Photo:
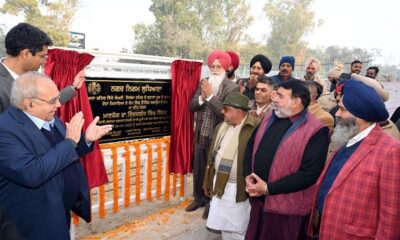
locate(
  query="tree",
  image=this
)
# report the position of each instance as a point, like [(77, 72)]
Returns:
[(174, 33), (291, 21), (190, 28), (53, 17), (251, 48), (223, 22)]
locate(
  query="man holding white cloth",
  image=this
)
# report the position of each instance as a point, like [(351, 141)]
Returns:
[(224, 180)]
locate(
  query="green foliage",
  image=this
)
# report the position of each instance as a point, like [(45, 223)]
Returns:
[(250, 49), (189, 29), (53, 17), (172, 32), (291, 21)]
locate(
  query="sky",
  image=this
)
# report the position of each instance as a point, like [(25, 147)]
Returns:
[(364, 24)]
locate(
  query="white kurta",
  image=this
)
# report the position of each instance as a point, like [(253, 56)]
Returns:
[(227, 215)]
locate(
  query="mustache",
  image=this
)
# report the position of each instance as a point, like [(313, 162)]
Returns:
[(345, 129)]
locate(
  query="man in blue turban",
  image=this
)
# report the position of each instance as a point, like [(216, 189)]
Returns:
[(286, 67), (359, 187)]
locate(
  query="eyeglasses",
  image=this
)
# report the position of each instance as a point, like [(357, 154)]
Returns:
[(215, 67), (52, 101)]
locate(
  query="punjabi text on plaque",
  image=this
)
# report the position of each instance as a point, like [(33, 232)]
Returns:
[(137, 108)]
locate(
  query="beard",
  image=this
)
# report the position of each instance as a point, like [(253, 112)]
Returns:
[(257, 74), (282, 112), (216, 81), (309, 76), (345, 129), (230, 73)]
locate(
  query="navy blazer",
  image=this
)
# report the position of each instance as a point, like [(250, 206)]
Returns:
[(6, 81), (31, 180)]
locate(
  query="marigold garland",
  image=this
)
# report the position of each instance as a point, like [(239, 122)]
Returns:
[(102, 203), (101, 193), (137, 177), (149, 171), (167, 176), (149, 178), (159, 170), (174, 184), (75, 219), (115, 176), (182, 187), (127, 192)]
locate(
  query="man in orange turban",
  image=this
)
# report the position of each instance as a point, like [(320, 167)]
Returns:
[(207, 104)]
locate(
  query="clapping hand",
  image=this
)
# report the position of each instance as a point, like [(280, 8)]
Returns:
[(74, 127), (253, 80), (94, 132)]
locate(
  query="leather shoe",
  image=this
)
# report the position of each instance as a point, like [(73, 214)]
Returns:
[(193, 206), (206, 211)]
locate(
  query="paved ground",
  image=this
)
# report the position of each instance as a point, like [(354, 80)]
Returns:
[(149, 220), (199, 234), (169, 223)]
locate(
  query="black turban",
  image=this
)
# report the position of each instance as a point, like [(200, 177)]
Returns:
[(264, 61)]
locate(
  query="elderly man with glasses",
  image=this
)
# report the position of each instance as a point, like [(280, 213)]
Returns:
[(40, 173)]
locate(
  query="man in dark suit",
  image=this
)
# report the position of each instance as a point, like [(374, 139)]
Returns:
[(41, 177), (207, 104), (8, 231), (26, 48)]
